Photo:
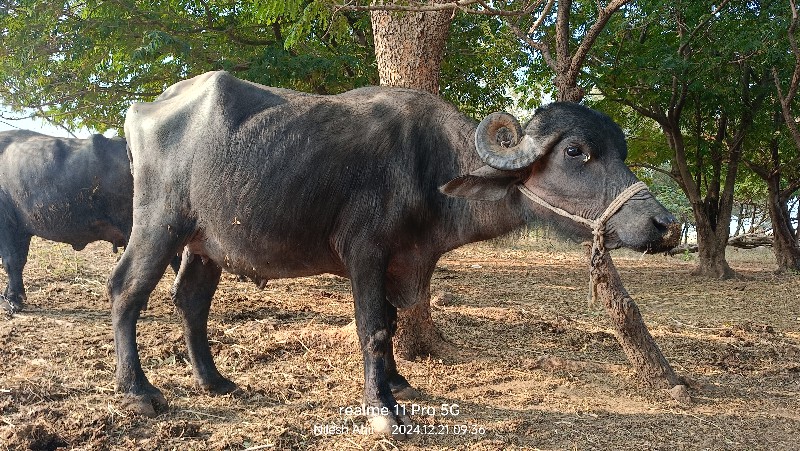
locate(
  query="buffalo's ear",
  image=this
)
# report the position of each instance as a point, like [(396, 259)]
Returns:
[(484, 183)]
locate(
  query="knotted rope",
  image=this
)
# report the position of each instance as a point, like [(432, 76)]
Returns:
[(597, 225)]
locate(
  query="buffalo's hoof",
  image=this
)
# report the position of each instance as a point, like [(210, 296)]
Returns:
[(407, 393), (148, 403), (220, 386), (401, 389), (398, 427), (10, 306)]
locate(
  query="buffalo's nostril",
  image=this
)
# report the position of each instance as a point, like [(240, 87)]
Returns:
[(670, 230), (664, 222)]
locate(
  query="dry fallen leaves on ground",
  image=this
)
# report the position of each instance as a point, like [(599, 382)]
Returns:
[(508, 306)]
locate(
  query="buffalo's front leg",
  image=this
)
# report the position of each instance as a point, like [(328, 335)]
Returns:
[(14, 252), (374, 336), (192, 293), (131, 282)]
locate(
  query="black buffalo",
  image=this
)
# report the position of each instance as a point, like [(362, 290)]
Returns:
[(271, 183), (74, 191)]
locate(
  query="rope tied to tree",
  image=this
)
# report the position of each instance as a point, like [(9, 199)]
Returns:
[(598, 225)]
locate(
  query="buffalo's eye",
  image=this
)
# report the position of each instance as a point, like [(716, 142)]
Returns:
[(573, 151)]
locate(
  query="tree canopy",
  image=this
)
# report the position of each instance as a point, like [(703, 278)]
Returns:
[(82, 63)]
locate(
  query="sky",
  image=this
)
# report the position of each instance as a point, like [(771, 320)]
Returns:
[(36, 125)]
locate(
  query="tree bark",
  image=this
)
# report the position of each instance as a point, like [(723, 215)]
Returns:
[(783, 240), (789, 247), (740, 220), (712, 215), (409, 48), (711, 254), (784, 245), (642, 351)]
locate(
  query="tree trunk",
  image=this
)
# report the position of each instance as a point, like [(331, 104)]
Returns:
[(711, 260), (409, 48), (784, 244), (784, 241), (740, 220), (566, 79), (642, 351)]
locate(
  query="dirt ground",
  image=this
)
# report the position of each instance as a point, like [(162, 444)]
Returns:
[(507, 305)]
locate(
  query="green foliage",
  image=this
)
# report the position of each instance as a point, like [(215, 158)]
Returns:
[(82, 63), (655, 49), (666, 191), (480, 66)]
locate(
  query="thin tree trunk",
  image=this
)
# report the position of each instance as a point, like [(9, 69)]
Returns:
[(642, 351), (739, 220), (409, 48), (784, 240), (752, 228)]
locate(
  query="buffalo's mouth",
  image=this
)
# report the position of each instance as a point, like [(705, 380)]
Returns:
[(671, 238), (662, 237)]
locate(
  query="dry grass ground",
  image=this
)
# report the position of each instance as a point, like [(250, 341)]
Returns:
[(737, 341)]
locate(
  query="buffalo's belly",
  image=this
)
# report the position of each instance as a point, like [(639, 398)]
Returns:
[(266, 259), (78, 239), (74, 226)]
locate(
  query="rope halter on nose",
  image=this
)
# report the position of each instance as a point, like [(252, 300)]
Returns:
[(598, 225)]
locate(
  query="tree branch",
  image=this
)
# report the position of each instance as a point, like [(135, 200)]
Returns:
[(657, 116), (541, 17), (562, 36), (758, 169), (654, 168), (790, 189), (603, 17), (685, 45), (786, 100), (795, 81), (540, 46)]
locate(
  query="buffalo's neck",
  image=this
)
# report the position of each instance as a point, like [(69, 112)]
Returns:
[(473, 221), (468, 221)]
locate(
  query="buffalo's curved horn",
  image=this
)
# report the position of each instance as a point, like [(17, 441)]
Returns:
[(502, 144)]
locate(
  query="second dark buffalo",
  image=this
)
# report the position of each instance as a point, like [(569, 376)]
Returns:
[(69, 190)]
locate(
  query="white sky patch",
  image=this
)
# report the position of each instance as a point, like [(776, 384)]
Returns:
[(38, 125)]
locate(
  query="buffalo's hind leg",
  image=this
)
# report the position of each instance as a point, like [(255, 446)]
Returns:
[(14, 252), (133, 279), (192, 292)]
